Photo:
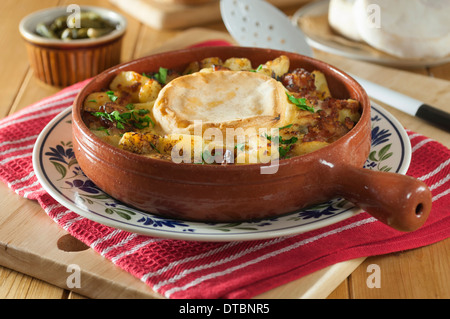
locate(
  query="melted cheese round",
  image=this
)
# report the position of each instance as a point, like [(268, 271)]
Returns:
[(221, 99)]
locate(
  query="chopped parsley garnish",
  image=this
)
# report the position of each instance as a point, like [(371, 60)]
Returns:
[(257, 69), (154, 147), (283, 150), (104, 129), (239, 146), (160, 76), (134, 117), (111, 96), (300, 103), (114, 116), (292, 140), (286, 126)]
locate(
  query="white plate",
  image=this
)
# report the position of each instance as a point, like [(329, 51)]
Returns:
[(58, 172), (320, 8)]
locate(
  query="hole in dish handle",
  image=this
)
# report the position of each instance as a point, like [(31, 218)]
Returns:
[(401, 202)]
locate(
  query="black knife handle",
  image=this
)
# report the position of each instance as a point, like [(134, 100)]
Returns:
[(435, 116)]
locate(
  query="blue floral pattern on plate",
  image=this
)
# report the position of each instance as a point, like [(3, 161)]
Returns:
[(58, 172)]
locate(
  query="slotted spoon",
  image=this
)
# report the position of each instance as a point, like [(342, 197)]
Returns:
[(256, 23)]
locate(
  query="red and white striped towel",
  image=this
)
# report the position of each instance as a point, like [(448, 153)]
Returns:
[(186, 269)]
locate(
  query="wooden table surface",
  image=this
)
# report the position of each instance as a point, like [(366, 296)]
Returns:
[(417, 273)]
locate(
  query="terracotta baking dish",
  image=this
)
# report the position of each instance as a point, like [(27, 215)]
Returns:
[(222, 193)]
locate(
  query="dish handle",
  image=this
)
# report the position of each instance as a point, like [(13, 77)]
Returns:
[(401, 202)]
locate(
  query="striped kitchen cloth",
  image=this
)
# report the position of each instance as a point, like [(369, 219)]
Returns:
[(238, 269)]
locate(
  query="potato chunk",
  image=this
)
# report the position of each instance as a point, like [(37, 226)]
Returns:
[(277, 67), (141, 88), (238, 64), (321, 85), (95, 100), (149, 91), (139, 143)]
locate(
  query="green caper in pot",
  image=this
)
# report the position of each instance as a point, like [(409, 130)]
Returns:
[(96, 32), (71, 27), (86, 20), (45, 31), (59, 24), (74, 33)]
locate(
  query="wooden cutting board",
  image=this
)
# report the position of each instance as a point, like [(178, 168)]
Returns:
[(171, 14), (31, 243)]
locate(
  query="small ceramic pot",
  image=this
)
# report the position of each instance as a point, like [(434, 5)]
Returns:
[(62, 63), (221, 193)]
